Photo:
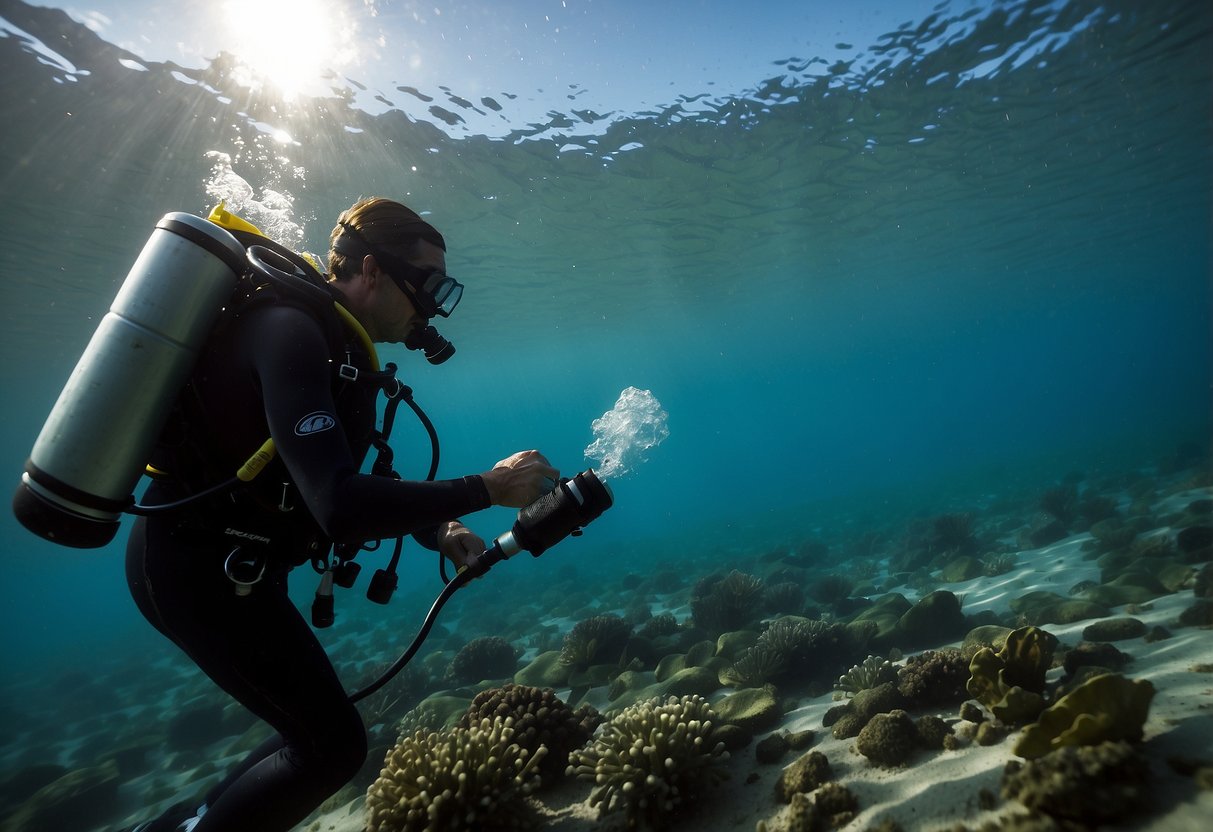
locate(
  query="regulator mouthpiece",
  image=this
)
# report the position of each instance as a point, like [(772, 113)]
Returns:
[(437, 349)]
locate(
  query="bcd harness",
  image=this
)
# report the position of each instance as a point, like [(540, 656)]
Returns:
[(278, 275)]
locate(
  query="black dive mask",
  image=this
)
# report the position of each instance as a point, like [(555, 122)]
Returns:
[(432, 292)]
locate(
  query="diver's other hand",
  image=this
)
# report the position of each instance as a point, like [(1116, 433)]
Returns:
[(520, 479), (456, 541)]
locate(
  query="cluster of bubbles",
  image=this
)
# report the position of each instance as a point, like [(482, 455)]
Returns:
[(625, 433), (272, 210)]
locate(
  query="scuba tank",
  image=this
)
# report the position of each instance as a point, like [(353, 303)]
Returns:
[(93, 448)]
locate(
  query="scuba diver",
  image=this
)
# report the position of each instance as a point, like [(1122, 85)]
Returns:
[(212, 574)]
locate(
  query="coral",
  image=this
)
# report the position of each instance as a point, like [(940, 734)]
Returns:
[(540, 719), (595, 640), (830, 589), (809, 772), (953, 533), (871, 672), (1094, 785), (1011, 682), (1060, 503), (663, 624), (810, 648), (1104, 708), (460, 778), (729, 603), (785, 597), (489, 657), (936, 677), (754, 667), (888, 739), (652, 758)]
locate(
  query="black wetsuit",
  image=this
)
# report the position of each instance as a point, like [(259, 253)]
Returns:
[(272, 373)]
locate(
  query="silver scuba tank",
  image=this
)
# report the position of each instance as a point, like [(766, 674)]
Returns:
[(95, 444)]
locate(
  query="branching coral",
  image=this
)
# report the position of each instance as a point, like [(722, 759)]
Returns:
[(870, 673), (490, 657), (540, 718), (651, 759), (596, 640), (461, 778)]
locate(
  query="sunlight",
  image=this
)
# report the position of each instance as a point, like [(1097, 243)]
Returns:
[(288, 44)]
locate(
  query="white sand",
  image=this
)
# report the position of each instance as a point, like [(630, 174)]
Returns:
[(937, 790)]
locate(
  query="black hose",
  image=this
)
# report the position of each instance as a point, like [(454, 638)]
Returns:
[(458, 581)]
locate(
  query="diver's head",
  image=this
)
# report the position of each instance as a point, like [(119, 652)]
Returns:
[(391, 264)]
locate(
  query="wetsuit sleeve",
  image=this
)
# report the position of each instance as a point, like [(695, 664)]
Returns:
[(291, 363)]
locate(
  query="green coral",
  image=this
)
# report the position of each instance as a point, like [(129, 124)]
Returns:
[(872, 672), (460, 778), (1011, 682), (651, 758), (1102, 709)]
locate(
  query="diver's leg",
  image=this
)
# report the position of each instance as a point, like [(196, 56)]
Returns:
[(261, 651)]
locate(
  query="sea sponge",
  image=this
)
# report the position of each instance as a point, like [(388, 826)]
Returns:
[(596, 640), (936, 677), (870, 673), (1090, 785), (1011, 682), (1103, 708), (460, 778), (489, 657), (888, 739), (652, 758), (540, 719)]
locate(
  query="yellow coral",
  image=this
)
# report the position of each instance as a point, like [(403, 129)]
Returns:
[(1103, 708), (1011, 681)]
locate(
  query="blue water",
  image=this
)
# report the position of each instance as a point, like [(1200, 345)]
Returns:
[(945, 274)]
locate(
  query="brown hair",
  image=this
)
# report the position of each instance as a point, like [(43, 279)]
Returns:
[(384, 224)]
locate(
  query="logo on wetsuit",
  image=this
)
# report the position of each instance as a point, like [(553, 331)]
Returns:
[(317, 422)]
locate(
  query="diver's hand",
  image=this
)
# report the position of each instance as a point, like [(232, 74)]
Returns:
[(456, 541), (520, 479)]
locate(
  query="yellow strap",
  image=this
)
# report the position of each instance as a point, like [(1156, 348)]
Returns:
[(360, 332)]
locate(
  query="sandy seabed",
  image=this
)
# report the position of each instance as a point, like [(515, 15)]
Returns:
[(941, 790)]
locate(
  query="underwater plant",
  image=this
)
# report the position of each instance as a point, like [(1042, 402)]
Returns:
[(652, 759), (540, 718), (785, 597), (597, 640), (459, 778), (870, 673)]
